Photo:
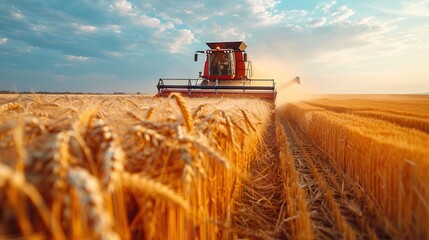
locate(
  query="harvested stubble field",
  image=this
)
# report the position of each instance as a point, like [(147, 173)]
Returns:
[(133, 167)]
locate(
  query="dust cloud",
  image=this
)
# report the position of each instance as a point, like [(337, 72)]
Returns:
[(293, 93), (268, 68)]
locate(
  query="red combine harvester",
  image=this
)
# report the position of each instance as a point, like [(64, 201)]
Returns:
[(226, 73)]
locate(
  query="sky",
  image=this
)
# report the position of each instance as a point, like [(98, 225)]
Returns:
[(126, 46)]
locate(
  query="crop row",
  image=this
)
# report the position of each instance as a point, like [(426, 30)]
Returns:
[(389, 162)]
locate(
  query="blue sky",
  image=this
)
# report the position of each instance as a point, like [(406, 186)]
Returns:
[(122, 45)]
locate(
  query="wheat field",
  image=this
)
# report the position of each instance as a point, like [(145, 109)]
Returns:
[(135, 167), (381, 146)]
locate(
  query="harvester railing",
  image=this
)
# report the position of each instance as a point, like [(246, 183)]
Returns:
[(204, 84)]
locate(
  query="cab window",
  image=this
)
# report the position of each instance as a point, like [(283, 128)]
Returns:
[(221, 63)]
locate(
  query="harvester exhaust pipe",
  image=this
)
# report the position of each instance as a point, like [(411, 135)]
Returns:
[(290, 82)]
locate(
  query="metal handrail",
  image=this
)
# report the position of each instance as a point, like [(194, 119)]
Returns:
[(191, 84), (222, 80)]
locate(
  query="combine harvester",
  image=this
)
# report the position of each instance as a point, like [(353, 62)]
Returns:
[(227, 73)]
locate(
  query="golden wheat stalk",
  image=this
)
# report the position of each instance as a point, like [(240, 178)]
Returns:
[(187, 116), (91, 198), (201, 144), (18, 184), (144, 185)]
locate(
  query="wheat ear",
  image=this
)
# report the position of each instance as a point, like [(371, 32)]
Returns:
[(187, 116), (149, 113), (91, 198)]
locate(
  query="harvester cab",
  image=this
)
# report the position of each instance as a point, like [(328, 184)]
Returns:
[(227, 73), (226, 61)]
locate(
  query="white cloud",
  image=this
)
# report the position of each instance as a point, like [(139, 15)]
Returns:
[(38, 27), (270, 19), (76, 58), (352, 41), (26, 49), (228, 33), (342, 14), (314, 23), (147, 6), (173, 19), (114, 28), (366, 21), (191, 14), (114, 54), (16, 13), (399, 19), (295, 27), (420, 35), (149, 21), (298, 13), (188, 11), (154, 23), (262, 5), (326, 7), (85, 28), (62, 65), (3, 41), (123, 7), (219, 13), (416, 8), (184, 37), (265, 10)]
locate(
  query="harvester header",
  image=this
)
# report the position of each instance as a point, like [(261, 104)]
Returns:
[(227, 73)]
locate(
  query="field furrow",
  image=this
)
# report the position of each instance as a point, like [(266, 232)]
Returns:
[(323, 219), (261, 208), (355, 206)]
